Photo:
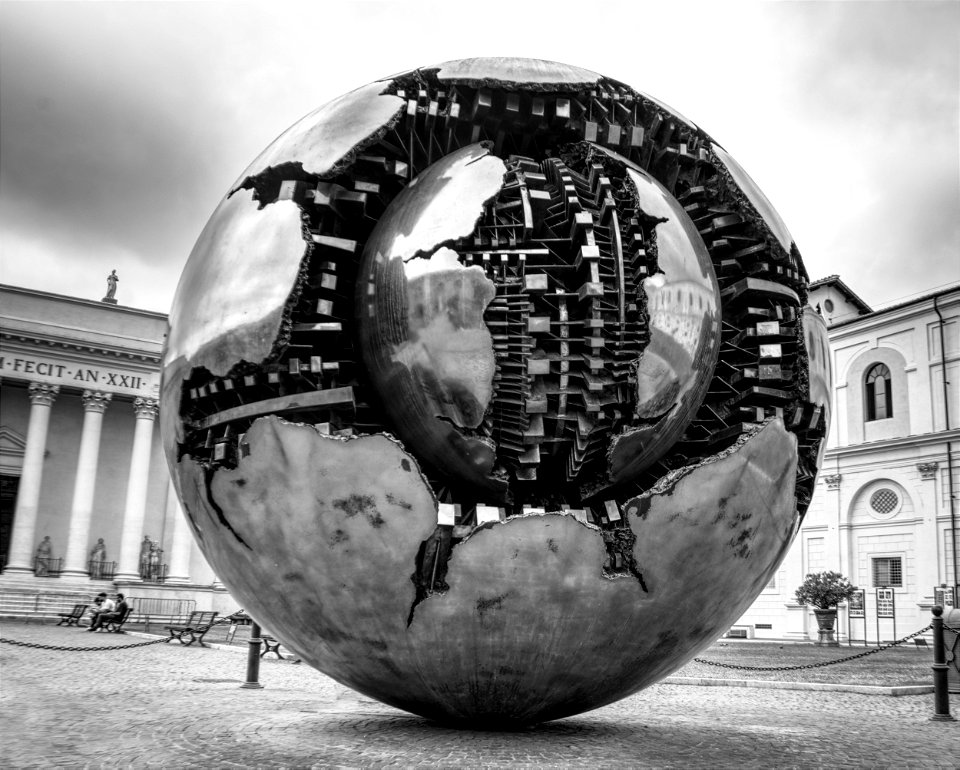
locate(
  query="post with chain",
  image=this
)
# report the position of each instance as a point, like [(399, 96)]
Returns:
[(253, 659), (941, 698)]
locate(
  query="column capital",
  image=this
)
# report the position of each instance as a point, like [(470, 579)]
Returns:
[(928, 470), (95, 401), (146, 408), (43, 394), (832, 481)]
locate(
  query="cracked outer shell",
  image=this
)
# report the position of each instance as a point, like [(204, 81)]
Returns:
[(317, 536), (231, 296), (534, 617)]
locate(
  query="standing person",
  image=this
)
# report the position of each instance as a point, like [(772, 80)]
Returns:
[(115, 614)]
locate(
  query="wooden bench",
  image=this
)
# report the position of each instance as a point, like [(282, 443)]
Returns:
[(194, 629), (115, 625), (73, 617), (921, 643)]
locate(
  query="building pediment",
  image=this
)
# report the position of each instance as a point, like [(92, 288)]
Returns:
[(12, 448)]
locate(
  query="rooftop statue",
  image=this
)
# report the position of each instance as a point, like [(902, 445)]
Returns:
[(112, 281)]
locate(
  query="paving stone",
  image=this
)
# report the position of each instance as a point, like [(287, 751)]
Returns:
[(169, 705)]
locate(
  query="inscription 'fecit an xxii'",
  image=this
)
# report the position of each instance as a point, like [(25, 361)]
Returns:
[(66, 373)]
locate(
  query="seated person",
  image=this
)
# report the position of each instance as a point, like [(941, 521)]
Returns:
[(97, 605), (114, 614), (106, 604)]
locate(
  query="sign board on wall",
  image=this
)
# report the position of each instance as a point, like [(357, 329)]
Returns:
[(68, 373)]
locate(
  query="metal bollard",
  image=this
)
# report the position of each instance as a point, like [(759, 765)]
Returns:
[(253, 659), (941, 698)]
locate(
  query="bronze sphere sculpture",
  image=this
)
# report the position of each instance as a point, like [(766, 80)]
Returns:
[(490, 390)]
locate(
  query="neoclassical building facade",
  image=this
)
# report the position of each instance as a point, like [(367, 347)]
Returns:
[(81, 462), (885, 512), (86, 498)]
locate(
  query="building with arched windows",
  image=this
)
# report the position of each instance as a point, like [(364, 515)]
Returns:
[(885, 511), (81, 467)]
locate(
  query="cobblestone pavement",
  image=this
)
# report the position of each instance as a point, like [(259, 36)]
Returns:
[(168, 705)]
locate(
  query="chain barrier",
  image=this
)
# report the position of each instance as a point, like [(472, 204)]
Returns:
[(816, 665), (161, 640), (230, 619), (37, 646)]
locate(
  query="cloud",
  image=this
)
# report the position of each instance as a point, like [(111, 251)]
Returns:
[(123, 124)]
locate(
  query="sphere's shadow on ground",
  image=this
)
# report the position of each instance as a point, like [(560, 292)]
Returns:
[(376, 737)]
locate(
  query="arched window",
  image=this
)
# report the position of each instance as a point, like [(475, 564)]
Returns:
[(878, 395)]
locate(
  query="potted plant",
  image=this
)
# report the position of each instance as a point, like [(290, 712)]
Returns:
[(823, 591)]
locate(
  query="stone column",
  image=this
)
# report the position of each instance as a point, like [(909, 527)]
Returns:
[(928, 542), (136, 506), (22, 543), (94, 405), (181, 542)]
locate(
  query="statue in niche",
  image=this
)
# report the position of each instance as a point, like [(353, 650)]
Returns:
[(145, 548), (41, 567), (155, 554), (98, 557), (112, 281)]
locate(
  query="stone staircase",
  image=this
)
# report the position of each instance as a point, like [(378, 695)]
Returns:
[(30, 598)]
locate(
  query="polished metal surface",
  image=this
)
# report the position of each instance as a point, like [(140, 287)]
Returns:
[(820, 367), (482, 383), (530, 627), (321, 139), (421, 325), (516, 70), (760, 201), (683, 304), (441, 204), (238, 278)]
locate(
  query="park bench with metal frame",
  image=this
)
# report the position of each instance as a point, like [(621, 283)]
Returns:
[(73, 617), (194, 629), (270, 644), (115, 625)]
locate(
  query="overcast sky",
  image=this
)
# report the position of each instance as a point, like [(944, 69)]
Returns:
[(123, 124)]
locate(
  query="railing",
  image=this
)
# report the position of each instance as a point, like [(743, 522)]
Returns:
[(45, 603), (149, 610), (153, 573), (46, 566), (101, 570)]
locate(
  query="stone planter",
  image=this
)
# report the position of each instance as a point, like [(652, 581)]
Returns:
[(826, 620)]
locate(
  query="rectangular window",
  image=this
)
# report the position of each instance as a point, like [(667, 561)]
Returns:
[(948, 555), (887, 572), (816, 555)]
